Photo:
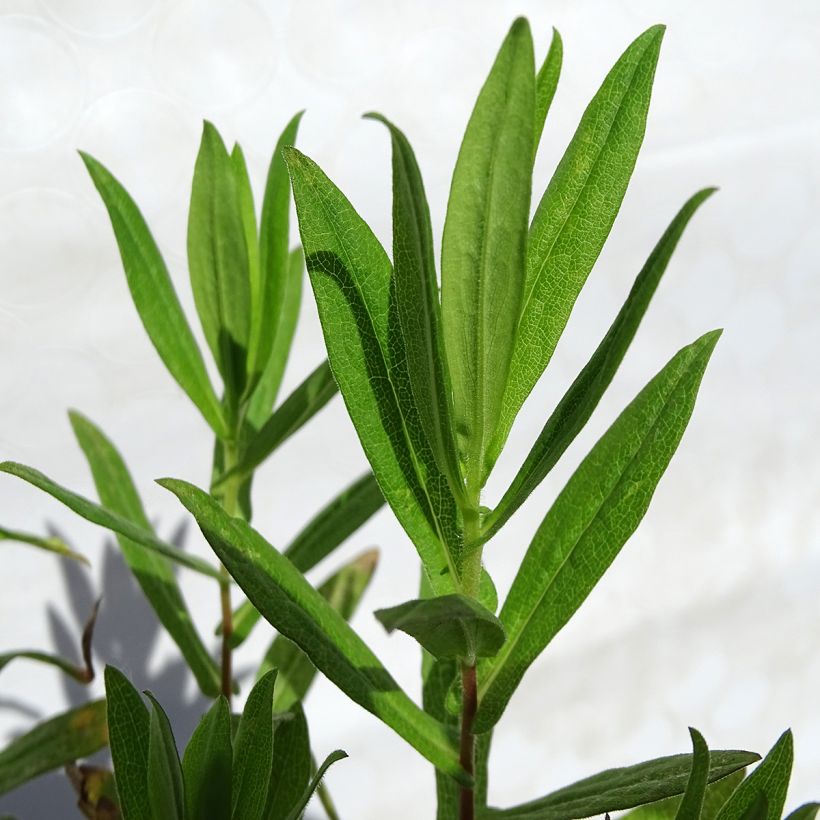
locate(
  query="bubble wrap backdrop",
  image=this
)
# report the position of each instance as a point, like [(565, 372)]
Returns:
[(711, 615)]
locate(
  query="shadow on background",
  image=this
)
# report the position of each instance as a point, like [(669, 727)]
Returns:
[(126, 635)]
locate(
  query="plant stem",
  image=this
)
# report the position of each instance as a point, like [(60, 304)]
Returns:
[(229, 498), (471, 579), (466, 798), (227, 633)]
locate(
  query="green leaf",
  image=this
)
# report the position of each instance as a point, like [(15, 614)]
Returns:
[(54, 743), (299, 408), (449, 626), (300, 807), (717, 793), (154, 296), (83, 673), (616, 789), (575, 216), (50, 544), (253, 752), (484, 245), (692, 803), (77, 673), (271, 310), (545, 84), (153, 572), (292, 764), (418, 307), (578, 403), (759, 810), (104, 518), (808, 811), (355, 292), (247, 213), (592, 518), (327, 530), (207, 764), (129, 739), (343, 591), (218, 261), (770, 779), (286, 599), (267, 389), (165, 789)]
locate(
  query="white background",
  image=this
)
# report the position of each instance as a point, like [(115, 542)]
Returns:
[(709, 617)]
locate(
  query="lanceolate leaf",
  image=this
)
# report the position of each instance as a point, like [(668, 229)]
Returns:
[(299, 808), (153, 572), (218, 261), (545, 84), (207, 764), (717, 793), (343, 591), (77, 673), (154, 296), (247, 213), (165, 791), (575, 216), (253, 752), (692, 803), (484, 244), (448, 626), (418, 307), (352, 281), (305, 401), (578, 403), (286, 599), (808, 811), (292, 764), (324, 532), (49, 544), (759, 810), (617, 789), (129, 733), (264, 396), (56, 742), (592, 518), (104, 518), (81, 673), (274, 241), (769, 780)]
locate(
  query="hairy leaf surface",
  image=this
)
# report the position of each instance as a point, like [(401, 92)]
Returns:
[(56, 742), (218, 261), (578, 403), (129, 739), (353, 283), (769, 780), (154, 296), (574, 218), (447, 626), (286, 599), (594, 515), (617, 789), (484, 244)]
